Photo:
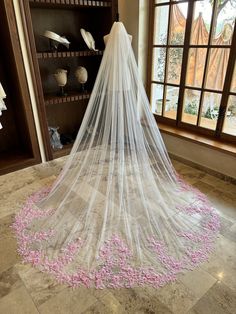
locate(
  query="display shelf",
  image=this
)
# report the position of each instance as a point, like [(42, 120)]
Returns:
[(62, 152), (18, 138), (52, 99), (72, 3), (14, 160), (64, 17), (68, 54)]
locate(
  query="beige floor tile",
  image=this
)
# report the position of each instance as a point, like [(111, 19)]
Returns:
[(40, 286), (139, 300), (198, 280), (218, 300), (112, 304), (203, 187), (17, 302), (224, 202), (47, 169), (225, 226), (68, 301), (8, 246), (190, 174), (221, 264), (230, 233), (16, 199), (98, 308), (180, 297), (16, 180), (176, 297), (9, 280), (219, 184)]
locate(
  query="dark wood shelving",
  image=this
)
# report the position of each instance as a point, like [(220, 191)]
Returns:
[(68, 54), (72, 3), (64, 17), (18, 139), (62, 152), (51, 99), (13, 160)]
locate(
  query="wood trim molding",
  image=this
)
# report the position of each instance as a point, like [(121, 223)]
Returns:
[(30, 46), (227, 85), (22, 79), (187, 38)]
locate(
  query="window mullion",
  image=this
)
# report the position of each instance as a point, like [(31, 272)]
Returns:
[(166, 61), (187, 37), (207, 60), (227, 85), (150, 44)]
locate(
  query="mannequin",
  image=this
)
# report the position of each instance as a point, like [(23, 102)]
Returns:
[(111, 87), (106, 37), (2, 104)]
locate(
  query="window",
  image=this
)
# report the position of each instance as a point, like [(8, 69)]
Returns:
[(192, 71)]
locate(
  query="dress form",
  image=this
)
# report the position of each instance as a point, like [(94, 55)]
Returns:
[(106, 37), (111, 87)]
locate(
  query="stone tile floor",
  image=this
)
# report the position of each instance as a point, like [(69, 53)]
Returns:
[(210, 289)]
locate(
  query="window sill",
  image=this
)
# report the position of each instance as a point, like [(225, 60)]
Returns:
[(198, 139)]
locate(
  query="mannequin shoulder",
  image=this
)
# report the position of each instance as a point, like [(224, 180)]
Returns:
[(106, 37)]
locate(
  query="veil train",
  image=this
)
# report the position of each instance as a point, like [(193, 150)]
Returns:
[(118, 215)]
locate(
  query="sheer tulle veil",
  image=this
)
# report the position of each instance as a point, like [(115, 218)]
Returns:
[(118, 215)]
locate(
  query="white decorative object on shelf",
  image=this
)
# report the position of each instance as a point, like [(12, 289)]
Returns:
[(82, 76), (2, 92), (60, 39), (61, 78), (55, 138), (2, 103), (88, 38)]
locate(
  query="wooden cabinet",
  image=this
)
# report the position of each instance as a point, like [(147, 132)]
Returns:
[(18, 139), (65, 18)]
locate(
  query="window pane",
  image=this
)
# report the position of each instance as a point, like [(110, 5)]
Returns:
[(224, 23), (201, 22), (217, 67), (159, 59), (174, 65), (230, 117), (196, 64), (191, 106), (172, 95), (157, 98), (233, 84), (210, 110), (178, 23), (161, 24)]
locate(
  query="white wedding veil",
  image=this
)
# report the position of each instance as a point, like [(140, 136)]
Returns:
[(118, 215)]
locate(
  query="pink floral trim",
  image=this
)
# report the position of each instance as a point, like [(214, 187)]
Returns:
[(116, 269)]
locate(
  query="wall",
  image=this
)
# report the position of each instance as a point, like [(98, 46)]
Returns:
[(201, 155), (134, 15), (129, 15)]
